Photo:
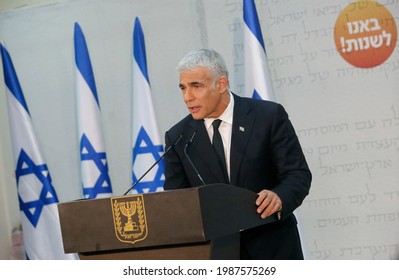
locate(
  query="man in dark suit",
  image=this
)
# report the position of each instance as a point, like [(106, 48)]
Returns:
[(261, 153)]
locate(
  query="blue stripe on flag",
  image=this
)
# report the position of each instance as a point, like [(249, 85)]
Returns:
[(11, 79), (256, 95), (82, 60), (252, 21), (139, 48)]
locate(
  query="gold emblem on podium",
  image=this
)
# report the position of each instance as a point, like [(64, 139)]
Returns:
[(129, 218)]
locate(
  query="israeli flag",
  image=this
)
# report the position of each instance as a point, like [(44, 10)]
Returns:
[(147, 144), (258, 83), (36, 194), (96, 182)]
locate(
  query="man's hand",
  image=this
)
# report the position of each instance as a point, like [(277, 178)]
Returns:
[(268, 203)]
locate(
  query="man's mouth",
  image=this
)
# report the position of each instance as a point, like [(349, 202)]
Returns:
[(194, 109)]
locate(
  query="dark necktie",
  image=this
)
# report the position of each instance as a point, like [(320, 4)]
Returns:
[(218, 146)]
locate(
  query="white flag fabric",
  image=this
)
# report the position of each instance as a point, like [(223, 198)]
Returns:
[(96, 182), (36, 194), (147, 146), (258, 83)]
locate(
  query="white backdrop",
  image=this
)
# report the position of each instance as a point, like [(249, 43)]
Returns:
[(347, 118)]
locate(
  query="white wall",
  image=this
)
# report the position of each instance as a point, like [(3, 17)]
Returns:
[(346, 118)]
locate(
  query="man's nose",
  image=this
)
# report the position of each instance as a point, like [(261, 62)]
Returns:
[(187, 95)]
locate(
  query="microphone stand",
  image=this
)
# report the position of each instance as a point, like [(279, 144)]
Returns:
[(152, 166), (189, 142)]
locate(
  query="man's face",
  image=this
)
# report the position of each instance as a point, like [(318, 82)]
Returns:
[(202, 94)]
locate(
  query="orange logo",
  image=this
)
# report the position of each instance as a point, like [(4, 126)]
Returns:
[(365, 34)]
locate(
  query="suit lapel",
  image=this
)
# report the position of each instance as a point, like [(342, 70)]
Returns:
[(202, 154), (242, 130)]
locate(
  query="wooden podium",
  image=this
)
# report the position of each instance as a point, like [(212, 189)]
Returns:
[(193, 223)]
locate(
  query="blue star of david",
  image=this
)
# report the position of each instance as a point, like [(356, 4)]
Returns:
[(255, 95), (33, 209), (156, 151), (103, 182)]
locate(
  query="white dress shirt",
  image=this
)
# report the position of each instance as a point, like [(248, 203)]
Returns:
[(225, 129)]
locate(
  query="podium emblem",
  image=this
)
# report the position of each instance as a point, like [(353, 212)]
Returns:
[(129, 218)]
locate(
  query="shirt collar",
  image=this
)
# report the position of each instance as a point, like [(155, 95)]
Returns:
[(226, 116)]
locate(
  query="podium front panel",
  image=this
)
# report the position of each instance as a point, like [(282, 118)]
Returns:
[(163, 218)]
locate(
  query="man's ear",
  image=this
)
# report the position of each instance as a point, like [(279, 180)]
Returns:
[(222, 84)]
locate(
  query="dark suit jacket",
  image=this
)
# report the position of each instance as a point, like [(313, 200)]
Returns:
[(265, 154)]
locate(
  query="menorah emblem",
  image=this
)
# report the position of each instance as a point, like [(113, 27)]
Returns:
[(129, 218), (128, 209)]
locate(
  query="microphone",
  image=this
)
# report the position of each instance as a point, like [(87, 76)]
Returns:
[(155, 163), (188, 143)]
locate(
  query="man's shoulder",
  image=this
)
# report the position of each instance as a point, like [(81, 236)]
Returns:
[(257, 104)]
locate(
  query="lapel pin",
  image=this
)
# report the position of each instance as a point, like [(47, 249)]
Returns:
[(242, 129)]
